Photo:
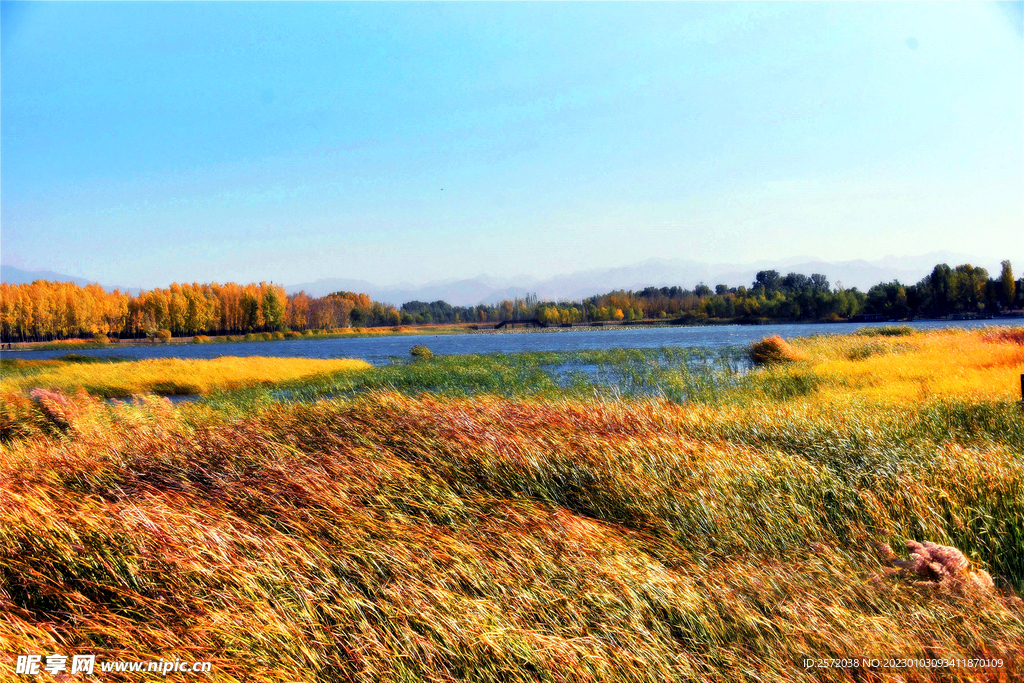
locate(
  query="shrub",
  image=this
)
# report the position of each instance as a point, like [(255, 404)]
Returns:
[(100, 338), (200, 339), (293, 335), (249, 337), (420, 351), (163, 335), (277, 335), (774, 349)]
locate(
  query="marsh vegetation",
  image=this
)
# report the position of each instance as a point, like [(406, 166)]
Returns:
[(632, 515)]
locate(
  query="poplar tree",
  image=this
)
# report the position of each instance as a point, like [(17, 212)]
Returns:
[(1009, 285)]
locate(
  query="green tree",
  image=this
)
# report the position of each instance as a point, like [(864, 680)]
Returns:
[(273, 308), (942, 286), (767, 280), (1009, 284)]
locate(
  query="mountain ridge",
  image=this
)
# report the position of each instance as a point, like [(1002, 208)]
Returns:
[(581, 284), (653, 272)]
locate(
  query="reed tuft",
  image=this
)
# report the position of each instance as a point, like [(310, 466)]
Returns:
[(773, 350)]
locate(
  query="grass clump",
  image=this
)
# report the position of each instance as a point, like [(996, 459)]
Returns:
[(421, 352), (773, 350)]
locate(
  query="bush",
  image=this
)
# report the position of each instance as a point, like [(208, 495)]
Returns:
[(100, 338), (420, 351), (774, 349), (163, 335), (249, 337), (277, 335), (200, 339), (293, 335)]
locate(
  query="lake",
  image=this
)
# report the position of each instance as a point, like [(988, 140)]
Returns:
[(380, 350)]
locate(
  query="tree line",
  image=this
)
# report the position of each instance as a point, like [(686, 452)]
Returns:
[(43, 310), (964, 290)]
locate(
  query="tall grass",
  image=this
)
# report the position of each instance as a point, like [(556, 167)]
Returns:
[(164, 376), (606, 516), (394, 538)]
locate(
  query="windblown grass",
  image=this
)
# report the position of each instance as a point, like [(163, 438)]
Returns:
[(165, 376), (713, 524), (949, 364), (394, 538)]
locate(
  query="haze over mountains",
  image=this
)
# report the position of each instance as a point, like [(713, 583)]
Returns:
[(585, 283), (17, 276), (653, 272)]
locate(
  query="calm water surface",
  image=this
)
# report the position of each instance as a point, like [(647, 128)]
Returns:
[(380, 350)]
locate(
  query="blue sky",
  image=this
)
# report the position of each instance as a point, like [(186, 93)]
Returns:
[(151, 142)]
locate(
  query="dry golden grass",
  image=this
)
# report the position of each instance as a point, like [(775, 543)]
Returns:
[(773, 350), (975, 365), (397, 538), (481, 539), (167, 376)]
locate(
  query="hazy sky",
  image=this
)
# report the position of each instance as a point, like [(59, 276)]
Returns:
[(145, 143)]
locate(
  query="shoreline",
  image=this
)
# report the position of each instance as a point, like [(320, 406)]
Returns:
[(453, 329)]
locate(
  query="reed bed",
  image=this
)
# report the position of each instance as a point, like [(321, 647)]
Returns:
[(980, 365), (411, 535), (165, 376)]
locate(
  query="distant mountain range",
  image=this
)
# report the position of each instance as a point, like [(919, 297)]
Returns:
[(654, 272), (582, 284), (17, 276)]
